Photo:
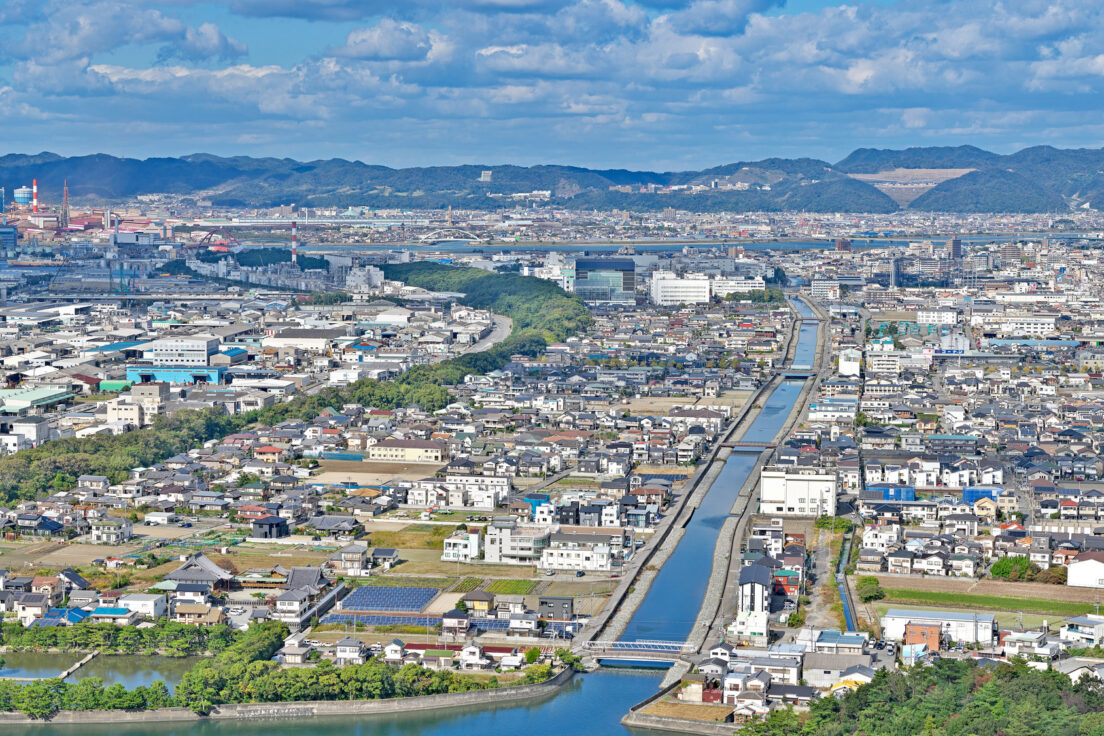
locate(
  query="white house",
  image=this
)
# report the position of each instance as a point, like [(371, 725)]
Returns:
[(1086, 570)]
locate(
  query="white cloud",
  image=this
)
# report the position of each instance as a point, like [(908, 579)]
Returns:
[(389, 40)]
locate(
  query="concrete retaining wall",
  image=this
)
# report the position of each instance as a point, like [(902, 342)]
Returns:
[(306, 709), (635, 719)]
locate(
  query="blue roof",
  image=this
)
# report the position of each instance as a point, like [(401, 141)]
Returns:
[(108, 611), (234, 351), (72, 615)]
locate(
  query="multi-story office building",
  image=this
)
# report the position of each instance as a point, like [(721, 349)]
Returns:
[(605, 280)]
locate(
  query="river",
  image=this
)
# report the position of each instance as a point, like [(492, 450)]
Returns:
[(591, 705)]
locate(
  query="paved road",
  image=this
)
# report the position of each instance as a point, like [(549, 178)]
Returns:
[(501, 330)]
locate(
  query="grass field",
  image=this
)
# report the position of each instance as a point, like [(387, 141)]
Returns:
[(688, 711), (511, 587), (598, 587), (415, 536), (973, 601)]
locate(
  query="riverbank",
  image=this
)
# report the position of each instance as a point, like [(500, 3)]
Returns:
[(636, 718), (306, 708), (649, 560)]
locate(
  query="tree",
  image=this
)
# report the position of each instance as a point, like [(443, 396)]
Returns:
[(869, 589), (532, 655), (1013, 568)]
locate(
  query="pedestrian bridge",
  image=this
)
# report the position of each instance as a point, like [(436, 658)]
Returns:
[(749, 446), (638, 650)]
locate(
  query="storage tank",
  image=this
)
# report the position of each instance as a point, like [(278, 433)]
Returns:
[(23, 195)]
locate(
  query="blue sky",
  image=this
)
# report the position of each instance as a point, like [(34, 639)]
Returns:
[(649, 84)]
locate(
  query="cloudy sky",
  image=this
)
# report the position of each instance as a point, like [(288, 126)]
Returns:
[(656, 84)]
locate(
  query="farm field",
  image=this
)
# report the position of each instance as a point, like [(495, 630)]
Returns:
[(511, 587)]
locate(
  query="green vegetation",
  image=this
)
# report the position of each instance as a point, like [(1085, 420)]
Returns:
[(991, 190), (467, 585), (833, 523), (987, 602), (172, 639), (511, 587), (30, 473), (759, 296), (1014, 568), (868, 589), (326, 298), (245, 674), (951, 698)]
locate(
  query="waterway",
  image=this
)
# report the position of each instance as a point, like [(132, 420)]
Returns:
[(668, 612), (588, 706), (35, 665), (463, 246), (591, 704), (805, 353), (132, 670)]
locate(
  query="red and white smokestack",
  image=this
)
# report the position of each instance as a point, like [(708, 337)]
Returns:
[(34, 194), (294, 241)]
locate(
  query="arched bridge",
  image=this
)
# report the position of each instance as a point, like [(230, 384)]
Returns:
[(448, 233)]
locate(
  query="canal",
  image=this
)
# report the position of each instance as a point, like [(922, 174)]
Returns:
[(671, 606), (590, 704)]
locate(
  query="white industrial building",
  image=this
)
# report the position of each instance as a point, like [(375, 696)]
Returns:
[(964, 628), (668, 288), (850, 362), (191, 350), (797, 491)]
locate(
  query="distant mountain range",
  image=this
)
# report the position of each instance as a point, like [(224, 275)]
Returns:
[(959, 179)]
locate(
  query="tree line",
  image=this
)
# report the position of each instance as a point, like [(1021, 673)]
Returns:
[(244, 672), (164, 637), (951, 698)]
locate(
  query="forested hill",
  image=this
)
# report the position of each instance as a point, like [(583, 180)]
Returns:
[(1039, 179)]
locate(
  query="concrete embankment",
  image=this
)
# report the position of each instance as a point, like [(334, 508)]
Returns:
[(636, 718), (306, 709), (634, 586)]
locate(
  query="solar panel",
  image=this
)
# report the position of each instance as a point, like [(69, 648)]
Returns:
[(371, 619), (411, 600)]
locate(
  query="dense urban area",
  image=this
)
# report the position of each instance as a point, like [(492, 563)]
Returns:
[(829, 473)]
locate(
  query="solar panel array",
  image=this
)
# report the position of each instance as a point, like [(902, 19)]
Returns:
[(409, 600), (370, 619), (554, 629)]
